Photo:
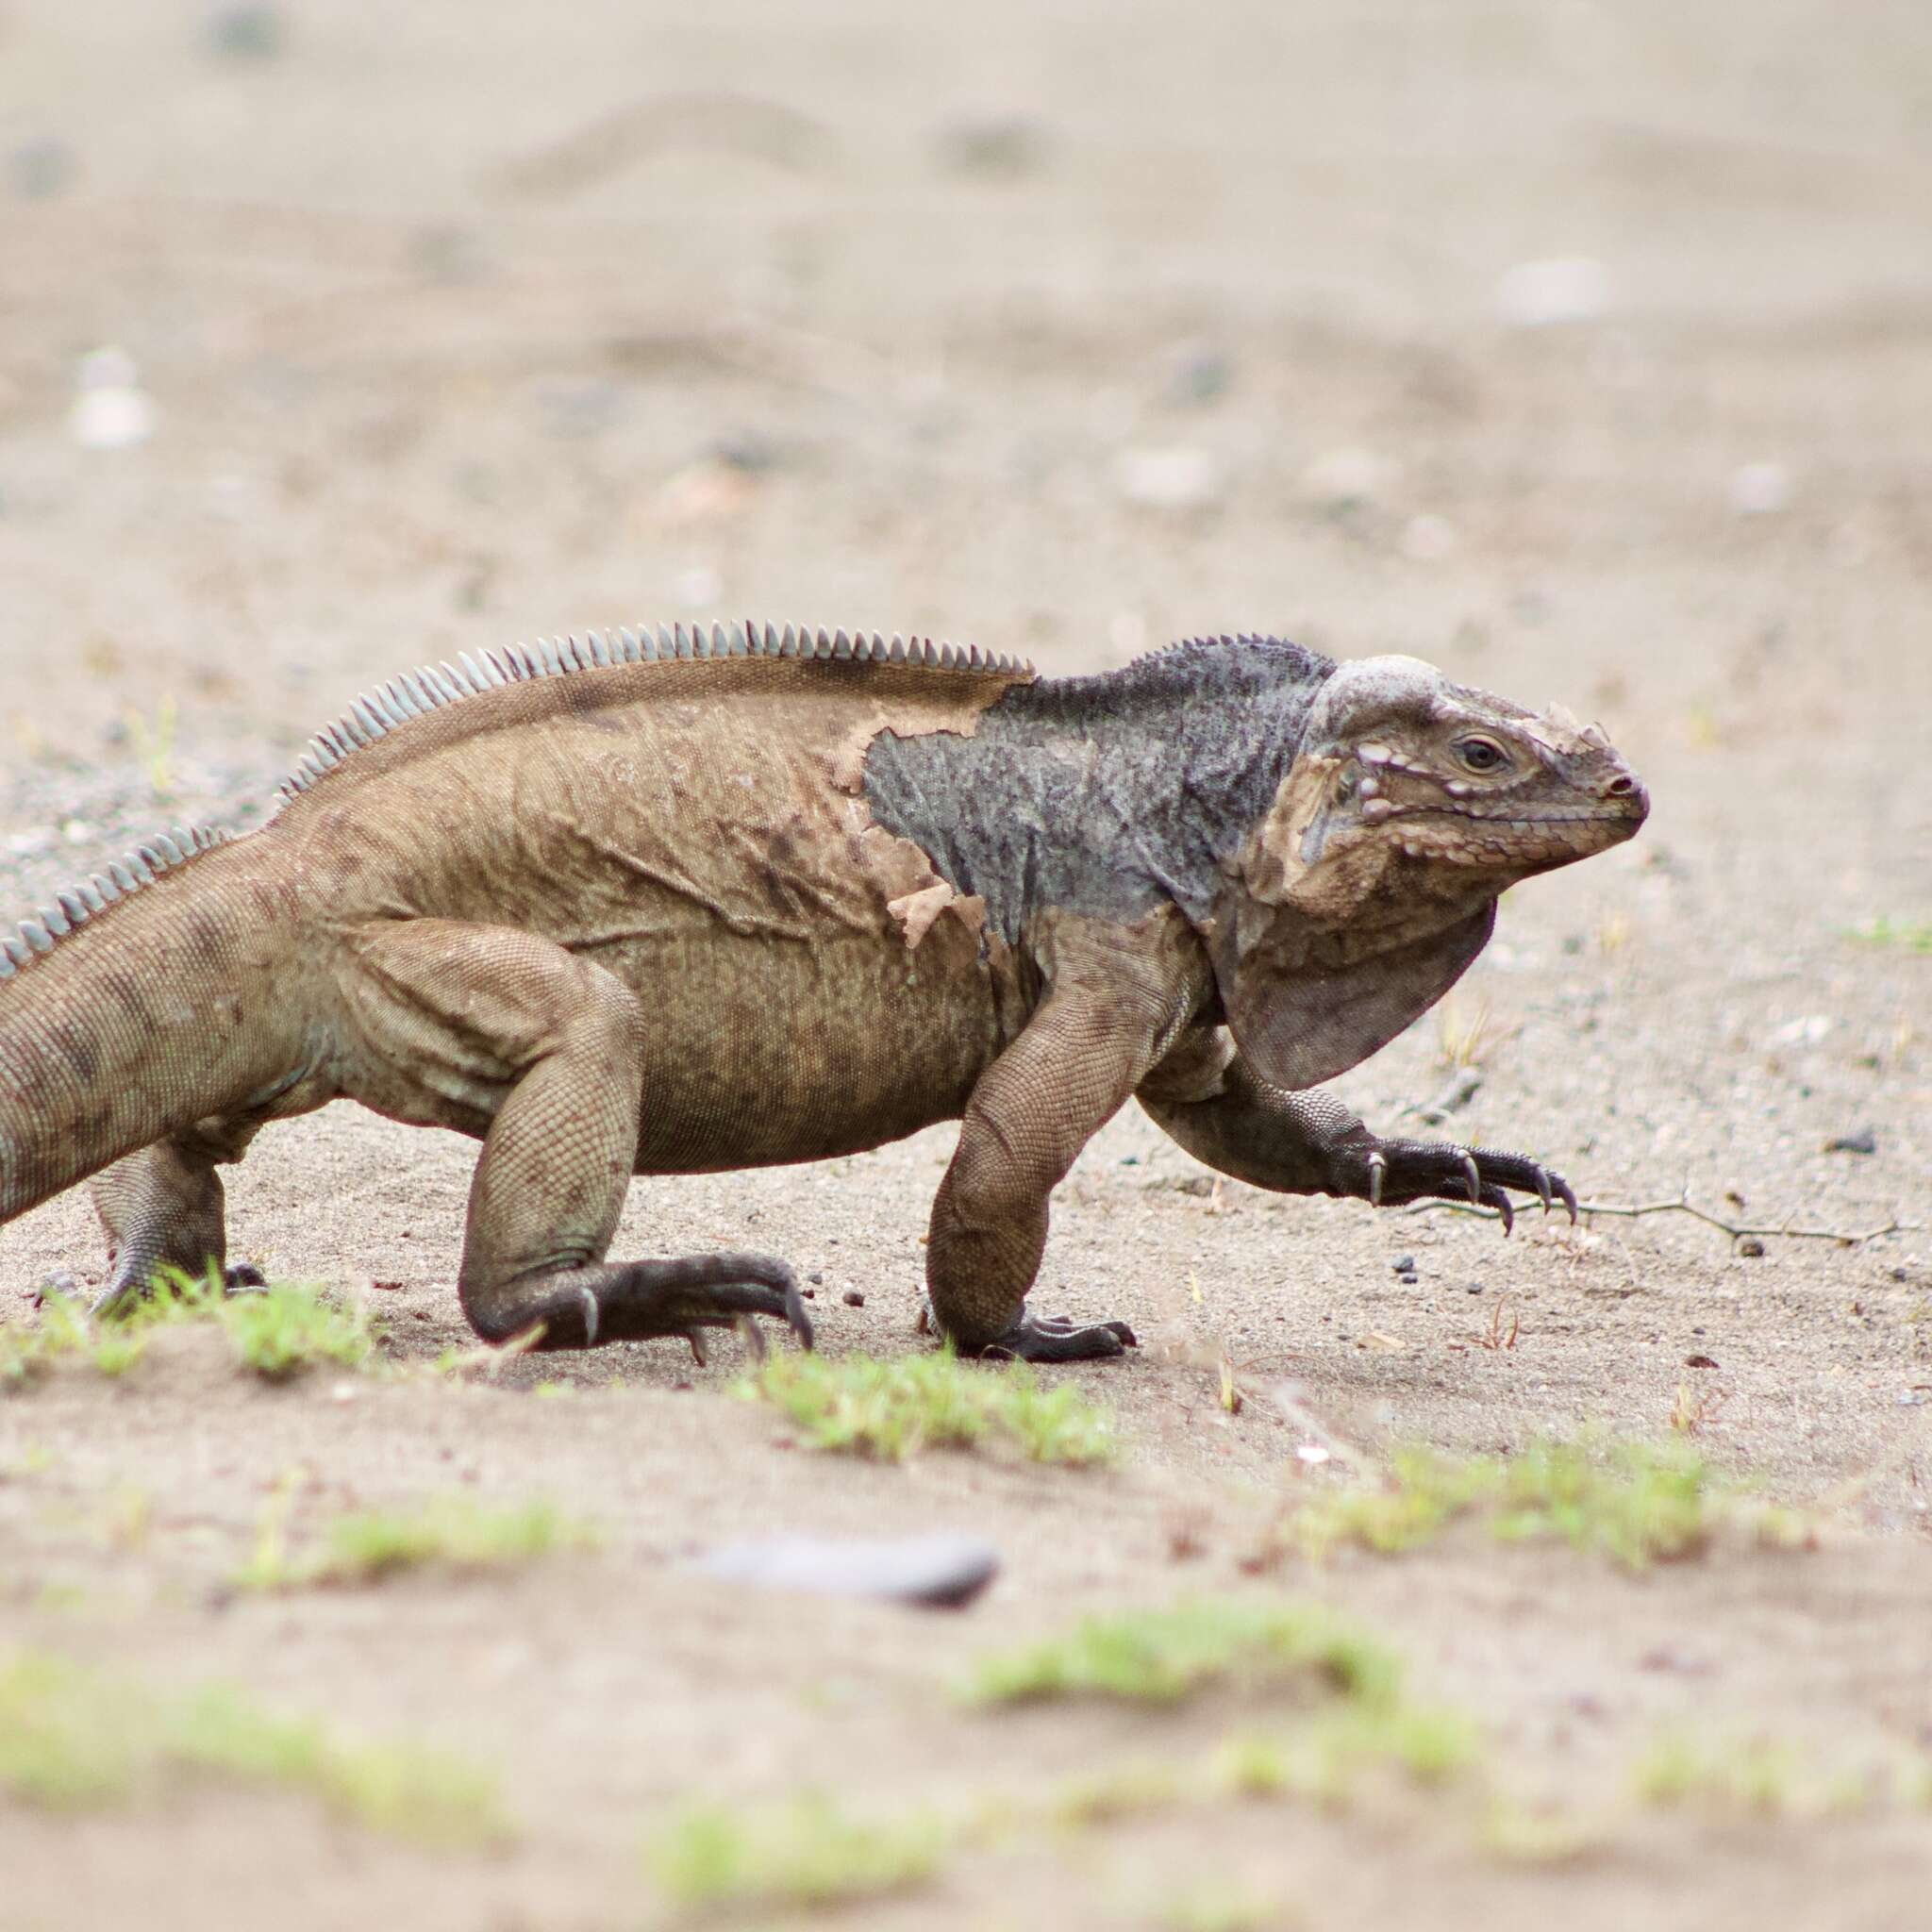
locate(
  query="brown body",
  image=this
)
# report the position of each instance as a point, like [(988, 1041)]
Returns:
[(641, 917)]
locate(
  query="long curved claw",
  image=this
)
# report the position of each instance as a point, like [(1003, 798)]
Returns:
[(1495, 1197), (1542, 1185), (1471, 1178), (1567, 1194), (729, 1302), (1378, 1167)]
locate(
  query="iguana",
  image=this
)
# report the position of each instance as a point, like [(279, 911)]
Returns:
[(713, 899)]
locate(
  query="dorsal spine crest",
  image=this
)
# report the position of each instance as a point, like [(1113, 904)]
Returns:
[(374, 714), (76, 906)]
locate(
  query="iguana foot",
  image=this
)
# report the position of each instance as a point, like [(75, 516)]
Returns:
[(1392, 1173), (243, 1277), (643, 1301), (1059, 1339)]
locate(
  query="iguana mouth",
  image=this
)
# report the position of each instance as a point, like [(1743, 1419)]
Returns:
[(1521, 820)]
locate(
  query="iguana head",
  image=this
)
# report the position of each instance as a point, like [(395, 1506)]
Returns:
[(1370, 883)]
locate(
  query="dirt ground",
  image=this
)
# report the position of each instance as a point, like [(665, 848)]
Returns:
[(1066, 331)]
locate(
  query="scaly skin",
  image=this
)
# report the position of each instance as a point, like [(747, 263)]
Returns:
[(657, 917)]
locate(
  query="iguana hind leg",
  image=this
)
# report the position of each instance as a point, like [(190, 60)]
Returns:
[(164, 1207), (504, 1034)]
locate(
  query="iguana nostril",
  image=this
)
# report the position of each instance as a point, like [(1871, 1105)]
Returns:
[(1621, 788)]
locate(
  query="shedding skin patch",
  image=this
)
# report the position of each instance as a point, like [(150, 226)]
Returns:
[(916, 911)]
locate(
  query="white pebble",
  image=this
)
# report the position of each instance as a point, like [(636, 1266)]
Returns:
[(698, 588), (111, 410), (1347, 475), (1564, 288), (1180, 478), (1427, 538), (1759, 490)]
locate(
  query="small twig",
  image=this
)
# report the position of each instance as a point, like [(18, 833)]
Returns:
[(1457, 1093), (1848, 1237), (1499, 1338)]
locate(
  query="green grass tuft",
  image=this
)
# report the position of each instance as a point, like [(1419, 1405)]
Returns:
[(399, 1789), (445, 1533), (66, 1740), (806, 1853), (1635, 1503), (286, 1329), (276, 1332), (1914, 935), (1752, 1774), (1160, 1656), (28, 1352), (893, 1410), (1323, 1761), (76, 1738), (1216, 1909)]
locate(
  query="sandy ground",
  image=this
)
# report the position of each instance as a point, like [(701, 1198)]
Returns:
[(1064, 332)]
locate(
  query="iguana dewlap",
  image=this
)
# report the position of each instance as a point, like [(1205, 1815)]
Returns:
[(707, 900)]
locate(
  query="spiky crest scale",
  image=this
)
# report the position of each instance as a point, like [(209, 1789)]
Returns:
[(75, 906)]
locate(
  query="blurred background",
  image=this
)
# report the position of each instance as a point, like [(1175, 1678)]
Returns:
[(1526, 335)]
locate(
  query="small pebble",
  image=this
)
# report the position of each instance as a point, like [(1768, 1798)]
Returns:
[(1563, 289), (1404, 1264), (247, 33), (42, 168), (817, 1276), (1009, 144), (1758, 490), (931, 1572), (1865, 1141), (1751, 1247), (1197, 373), (854, 1299), (1179, 479)]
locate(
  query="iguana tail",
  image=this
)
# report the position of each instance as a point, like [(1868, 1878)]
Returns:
[(140, 1002)]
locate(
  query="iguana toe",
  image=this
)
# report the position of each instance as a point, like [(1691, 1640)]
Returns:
[(1059, 1338)]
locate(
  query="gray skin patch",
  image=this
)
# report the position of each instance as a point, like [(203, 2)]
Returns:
[(1105, 795)]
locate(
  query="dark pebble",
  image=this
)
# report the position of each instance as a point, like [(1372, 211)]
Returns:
[(247, 33), (854, 1299), (1865, 1141), (1751, 1247)]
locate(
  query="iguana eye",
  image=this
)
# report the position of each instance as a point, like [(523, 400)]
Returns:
[(1481, 754)]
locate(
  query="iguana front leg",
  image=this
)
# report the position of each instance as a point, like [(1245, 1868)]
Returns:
[(1035, 1107), (1214, 1103), (499, 1032)]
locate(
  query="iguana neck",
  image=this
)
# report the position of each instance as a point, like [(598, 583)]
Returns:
[(1105, 795)]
